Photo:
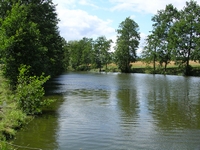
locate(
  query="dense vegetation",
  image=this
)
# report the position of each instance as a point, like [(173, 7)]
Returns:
[(29, 36), (31, 50)]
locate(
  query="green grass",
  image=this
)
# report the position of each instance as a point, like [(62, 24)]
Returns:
[(11, 118)]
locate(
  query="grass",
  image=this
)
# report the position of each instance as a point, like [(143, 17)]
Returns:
[(142, 67), (140, 64), (11, 118)]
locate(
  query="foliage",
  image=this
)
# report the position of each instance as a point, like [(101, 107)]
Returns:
[(11, 117), (14, 119), (86, 53), (157, 47), (175, 36), (101, 52), (66, 56), (30, 92), (185, 36), (149, 54), (5, 146), (127, 44), (19, 42), (29, 35), (80, 53)]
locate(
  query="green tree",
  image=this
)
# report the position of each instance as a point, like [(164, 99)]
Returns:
[(65, 62), (86, 44), (163, 21), (30, 92), (75, 54), (81, 53), (19, 42), (101, 52), (149, 53), (43, 13), (185, 36), (127, 44), (29, 35)]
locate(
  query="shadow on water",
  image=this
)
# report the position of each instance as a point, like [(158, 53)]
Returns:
[(40, 133)]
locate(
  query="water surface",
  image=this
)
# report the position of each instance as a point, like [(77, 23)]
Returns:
[(118, 112)]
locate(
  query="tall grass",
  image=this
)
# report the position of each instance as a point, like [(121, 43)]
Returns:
[(11, 118)]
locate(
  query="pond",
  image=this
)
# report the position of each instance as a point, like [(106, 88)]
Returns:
[(117, 111)]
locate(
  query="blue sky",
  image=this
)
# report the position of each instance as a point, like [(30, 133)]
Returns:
[(94, 18)]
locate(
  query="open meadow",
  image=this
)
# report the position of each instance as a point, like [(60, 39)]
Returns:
[(141, 64), (142, 67)]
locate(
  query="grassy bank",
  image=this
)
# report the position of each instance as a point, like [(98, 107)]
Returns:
[(141, 67), (11, 118), (17, 107)]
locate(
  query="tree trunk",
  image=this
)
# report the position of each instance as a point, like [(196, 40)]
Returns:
[(154, 64)]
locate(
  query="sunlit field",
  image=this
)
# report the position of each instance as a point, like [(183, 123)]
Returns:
[(140, 64), (142, 67)]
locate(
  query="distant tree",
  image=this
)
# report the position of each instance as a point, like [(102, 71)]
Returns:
[(149, 53), (101, 52), (184, 36), (75, 54), (81, 53), (163, 21), (127, 43), (86, 45), (66, 54)]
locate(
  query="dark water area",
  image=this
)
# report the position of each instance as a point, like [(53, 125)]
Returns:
[(117, 112)]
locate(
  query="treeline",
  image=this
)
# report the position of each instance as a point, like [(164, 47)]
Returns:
[(87, 54), (29, 36), (175, 37)]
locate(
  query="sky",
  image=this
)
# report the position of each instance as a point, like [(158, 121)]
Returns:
[(95, 18)]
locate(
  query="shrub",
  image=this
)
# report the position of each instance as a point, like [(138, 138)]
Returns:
[(30, 92)]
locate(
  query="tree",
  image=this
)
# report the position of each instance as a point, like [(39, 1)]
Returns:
[(81, 53), (65, 62), (29, 36), (43, 13), (101, 52), (163, 21), (19, 42), (184, 36), (149, 53), (127, 43), (87, 45), (75, 54), (30, 91)]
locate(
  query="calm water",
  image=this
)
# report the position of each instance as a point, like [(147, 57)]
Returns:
[(118, 112)]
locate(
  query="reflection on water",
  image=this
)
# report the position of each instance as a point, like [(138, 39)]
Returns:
[(118, 111)]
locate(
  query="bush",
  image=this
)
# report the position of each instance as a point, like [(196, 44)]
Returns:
[(30, 92)]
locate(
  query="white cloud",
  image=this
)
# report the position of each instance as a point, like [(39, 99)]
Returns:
[(75, 24), (147, 6), (87, 3), (143, 36)]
